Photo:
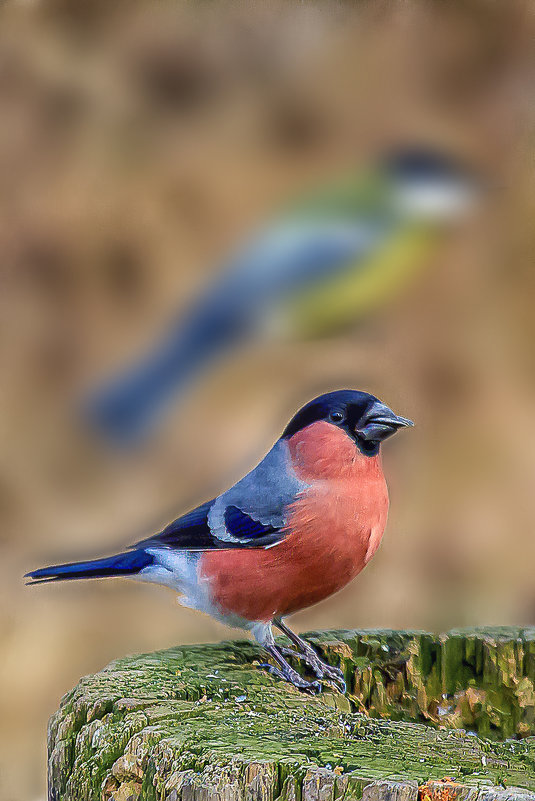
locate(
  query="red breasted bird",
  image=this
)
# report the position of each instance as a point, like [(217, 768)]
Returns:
[(296, 529)]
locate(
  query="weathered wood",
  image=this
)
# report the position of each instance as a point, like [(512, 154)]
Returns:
[(203, 722)]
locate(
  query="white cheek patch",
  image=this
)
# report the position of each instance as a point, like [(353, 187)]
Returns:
[(436, 201)]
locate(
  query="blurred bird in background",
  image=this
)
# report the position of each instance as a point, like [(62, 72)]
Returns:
[(296, 529), (326, 263)]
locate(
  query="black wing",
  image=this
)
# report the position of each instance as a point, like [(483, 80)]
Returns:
[(191, 532)]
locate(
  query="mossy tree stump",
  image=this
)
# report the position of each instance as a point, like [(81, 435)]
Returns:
[(204, 722)]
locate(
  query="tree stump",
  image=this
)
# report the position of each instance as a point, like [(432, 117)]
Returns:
[(426, 718)]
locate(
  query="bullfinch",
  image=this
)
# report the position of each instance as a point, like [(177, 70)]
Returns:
[(324, 264), (296, 529)]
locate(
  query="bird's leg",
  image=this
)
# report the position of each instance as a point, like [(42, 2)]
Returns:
[(311, 658), (286, 671), (291, 652)]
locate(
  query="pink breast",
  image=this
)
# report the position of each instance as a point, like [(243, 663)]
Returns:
[(335, 527)]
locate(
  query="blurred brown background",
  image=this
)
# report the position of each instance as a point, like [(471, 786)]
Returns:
[(138, 145)]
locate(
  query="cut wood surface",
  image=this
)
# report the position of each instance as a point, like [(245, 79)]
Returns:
[(426, 718)]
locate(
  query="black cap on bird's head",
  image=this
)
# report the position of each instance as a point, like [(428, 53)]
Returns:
[(362, 416), (428, 183), (422, 164)]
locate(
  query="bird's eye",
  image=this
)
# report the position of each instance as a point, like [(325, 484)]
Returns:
[(336, 417)]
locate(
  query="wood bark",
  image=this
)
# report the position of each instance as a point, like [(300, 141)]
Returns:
[(426, 718)]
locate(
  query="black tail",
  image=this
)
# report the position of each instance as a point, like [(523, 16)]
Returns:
[(122, 564)]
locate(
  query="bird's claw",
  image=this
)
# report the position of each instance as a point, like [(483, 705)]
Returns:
[(293, 678), (322, 670), (329, 674), (335, 676)]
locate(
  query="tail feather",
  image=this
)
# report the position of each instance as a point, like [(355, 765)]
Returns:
[(126, 408), (122, 564)]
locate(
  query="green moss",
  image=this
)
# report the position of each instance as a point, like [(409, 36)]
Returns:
[(203, 721)]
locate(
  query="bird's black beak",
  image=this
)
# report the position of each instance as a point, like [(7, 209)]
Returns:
[(379, 423)]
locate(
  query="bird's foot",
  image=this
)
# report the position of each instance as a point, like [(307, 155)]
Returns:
[(328, 673), (293, 677), (286, 672), (306, 652), (321, 669)]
